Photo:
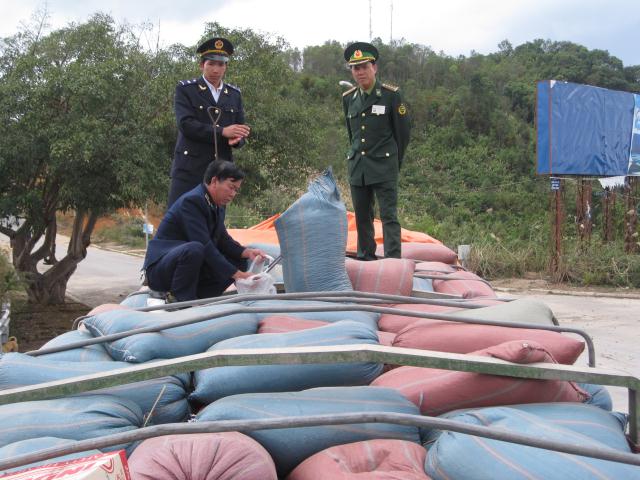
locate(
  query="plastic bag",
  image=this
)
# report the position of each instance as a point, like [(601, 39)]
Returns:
[(260, 284)]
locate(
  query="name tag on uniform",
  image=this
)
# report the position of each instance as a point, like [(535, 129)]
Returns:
[(378, 109)]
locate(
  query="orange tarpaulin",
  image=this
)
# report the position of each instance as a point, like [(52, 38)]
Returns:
[(265, 232)]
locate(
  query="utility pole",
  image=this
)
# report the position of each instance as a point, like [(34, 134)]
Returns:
[(370, 29), (391, 28)]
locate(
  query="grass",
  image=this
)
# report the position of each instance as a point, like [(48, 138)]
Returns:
[(583, 264), (125, 230)]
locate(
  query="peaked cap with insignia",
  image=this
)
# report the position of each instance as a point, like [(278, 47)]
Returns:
[(360, 52), (216, 48)]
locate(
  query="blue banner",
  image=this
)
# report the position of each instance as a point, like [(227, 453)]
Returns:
[(634, 154), (586, 130)]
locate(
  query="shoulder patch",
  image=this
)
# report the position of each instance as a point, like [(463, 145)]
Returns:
[(351, 90), (388, 86), (232, 86), (184, 83)]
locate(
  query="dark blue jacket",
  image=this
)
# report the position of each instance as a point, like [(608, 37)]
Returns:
[(194, 147), (195, 218)]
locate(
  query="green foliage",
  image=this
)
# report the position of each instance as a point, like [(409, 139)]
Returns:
[(592, 264), (126, 230), (491, 258)]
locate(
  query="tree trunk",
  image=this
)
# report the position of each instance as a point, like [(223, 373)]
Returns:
[(631, 243), (50, 287)]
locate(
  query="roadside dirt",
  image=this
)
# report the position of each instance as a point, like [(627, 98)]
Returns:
[(521, 285), (35, 325)]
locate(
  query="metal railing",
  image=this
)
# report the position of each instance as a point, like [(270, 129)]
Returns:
[(330, 354), (314, 309)]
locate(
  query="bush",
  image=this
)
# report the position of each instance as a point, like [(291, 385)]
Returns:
[(9, 280), (126, 230), (591, 264)]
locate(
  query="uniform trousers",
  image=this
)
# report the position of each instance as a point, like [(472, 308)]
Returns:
[(184, 273), (363, 198), (179, 186)]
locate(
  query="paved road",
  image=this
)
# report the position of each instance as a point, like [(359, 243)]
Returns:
[(103, 277)]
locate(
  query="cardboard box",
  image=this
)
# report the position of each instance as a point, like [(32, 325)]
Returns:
[(103, 466)]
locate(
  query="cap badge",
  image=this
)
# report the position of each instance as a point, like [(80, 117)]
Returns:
[(219, 44), (357, 54)]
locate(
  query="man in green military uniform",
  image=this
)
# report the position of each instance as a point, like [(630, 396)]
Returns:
[(378, 126)]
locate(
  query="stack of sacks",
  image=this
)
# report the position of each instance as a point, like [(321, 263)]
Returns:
[(285, 323), (73, 418), (203, 456), (522, 310), (107, 307), (455, 280), (173, 342), (25, 447), (431, 268), (18, 370), (215, 383), (463, 284), (137, 299), (290, 446), (426, 252), (374, 460), (435, 268), (313, 237), (391, 322), (90, 353), (367, 318), (453, 337), (437, 391), (391, 276), (457, 456)]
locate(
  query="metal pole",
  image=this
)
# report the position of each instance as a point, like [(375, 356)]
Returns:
[(329, 308), (317, 420)]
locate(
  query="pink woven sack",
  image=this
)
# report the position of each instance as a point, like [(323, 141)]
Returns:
[(437, 391), (285, 323), (391, 276), (201, 456), (370, 460), (453, 337)]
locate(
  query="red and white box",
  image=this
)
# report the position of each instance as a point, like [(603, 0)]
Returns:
[(102, 466)]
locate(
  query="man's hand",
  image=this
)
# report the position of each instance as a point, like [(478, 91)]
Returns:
[(252, 253), (236, 132), (242, 275)]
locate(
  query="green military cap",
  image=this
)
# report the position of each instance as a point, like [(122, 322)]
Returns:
[(217, 48), (360, 52)]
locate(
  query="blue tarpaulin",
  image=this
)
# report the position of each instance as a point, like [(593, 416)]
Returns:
[(583, 130)]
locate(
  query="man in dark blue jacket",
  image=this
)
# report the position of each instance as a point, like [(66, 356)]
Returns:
[(192, 255), (197, 135)]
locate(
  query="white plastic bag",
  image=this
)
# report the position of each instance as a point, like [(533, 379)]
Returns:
[(260, 284)]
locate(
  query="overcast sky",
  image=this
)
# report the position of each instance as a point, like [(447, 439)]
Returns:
[(455, 27)]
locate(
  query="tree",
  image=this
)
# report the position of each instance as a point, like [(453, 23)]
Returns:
[(82, 134)]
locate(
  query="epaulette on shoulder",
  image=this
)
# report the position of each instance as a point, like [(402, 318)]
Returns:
[(232, 86), (388, 86), (351, 90), (184, 83)]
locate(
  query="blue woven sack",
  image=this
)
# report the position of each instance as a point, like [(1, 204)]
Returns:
[(313, 238)]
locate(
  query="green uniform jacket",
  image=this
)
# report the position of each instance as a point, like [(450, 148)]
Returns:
[(378, 128)]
